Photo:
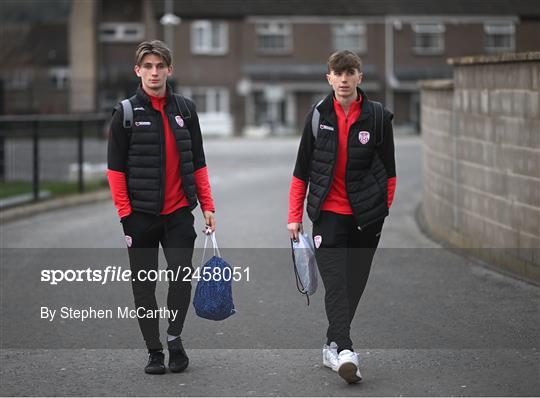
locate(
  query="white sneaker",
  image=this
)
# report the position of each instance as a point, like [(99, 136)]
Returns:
[(348, 366), (330, 356)]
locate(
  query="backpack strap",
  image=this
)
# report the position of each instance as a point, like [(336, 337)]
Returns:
[(128, 114), (378, 111), (315, 119), (182, 106)]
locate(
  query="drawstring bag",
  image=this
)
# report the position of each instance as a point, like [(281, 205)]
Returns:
[(213, 296), (305, 265)]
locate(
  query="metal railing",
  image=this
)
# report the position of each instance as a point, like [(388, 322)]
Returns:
[(75, 126)]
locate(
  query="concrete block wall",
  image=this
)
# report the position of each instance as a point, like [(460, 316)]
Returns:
[(481, 159)]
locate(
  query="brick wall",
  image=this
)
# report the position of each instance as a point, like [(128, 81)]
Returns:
[(481, 159)]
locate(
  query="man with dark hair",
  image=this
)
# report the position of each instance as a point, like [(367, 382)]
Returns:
[(346, 157), (157, 172)]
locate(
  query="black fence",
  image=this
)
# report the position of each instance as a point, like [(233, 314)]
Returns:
[(34, 147)]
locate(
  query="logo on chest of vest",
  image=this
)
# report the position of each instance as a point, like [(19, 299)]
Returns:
[(142, 123), (317, 240), (363, 136), (325, 127), (179, 121)]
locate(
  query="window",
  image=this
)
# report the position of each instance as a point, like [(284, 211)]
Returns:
[(273, 37), (110, 32), (428, 39), (19, 79), (499, 37), (209, 37), (209, 99), (212, 108), (59, 77), (350, 36)]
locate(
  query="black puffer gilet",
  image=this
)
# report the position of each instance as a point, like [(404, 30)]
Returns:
[(366, 179), (145, 172)]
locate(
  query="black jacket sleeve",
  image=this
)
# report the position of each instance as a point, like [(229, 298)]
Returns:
[(386, 149), (305, 151), (197, 149), (117, 147)]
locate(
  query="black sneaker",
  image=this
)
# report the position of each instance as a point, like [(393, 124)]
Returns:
[(156, 363), (178, 359)]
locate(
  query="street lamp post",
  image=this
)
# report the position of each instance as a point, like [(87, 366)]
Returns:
[(169, 21)]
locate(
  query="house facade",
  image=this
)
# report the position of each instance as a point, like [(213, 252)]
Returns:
[(256, 67)]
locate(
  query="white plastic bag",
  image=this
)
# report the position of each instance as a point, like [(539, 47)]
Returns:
[(305, 265)]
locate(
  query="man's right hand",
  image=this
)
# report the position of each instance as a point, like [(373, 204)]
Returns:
[(295, 228)]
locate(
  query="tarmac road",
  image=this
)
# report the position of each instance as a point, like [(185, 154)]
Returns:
[(430, 323)]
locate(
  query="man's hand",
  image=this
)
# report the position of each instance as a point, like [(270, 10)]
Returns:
[(294, 229), (210, 221)]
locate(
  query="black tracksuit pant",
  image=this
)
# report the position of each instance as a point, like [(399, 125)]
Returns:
[(344, 259), (177, 236)]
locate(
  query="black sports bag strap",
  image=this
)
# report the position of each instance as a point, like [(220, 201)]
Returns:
[(378, 111)]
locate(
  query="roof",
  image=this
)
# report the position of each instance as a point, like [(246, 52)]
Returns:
[(242, 8)]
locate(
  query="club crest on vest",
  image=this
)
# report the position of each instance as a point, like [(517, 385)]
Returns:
[(317, 240), (363, 136), (179, 121)]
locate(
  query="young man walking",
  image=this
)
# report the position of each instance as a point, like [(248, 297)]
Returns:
[(157, 172), (346, 157)]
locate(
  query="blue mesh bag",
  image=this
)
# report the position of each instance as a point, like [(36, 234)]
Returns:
[(213, 296)]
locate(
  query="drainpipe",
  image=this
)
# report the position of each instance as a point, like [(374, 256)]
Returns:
[(391, 80)]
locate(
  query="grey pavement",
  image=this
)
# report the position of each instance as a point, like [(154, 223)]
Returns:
[(274, 373), (430, 323)]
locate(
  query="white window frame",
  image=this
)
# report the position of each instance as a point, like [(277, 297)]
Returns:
[(61, 76), (492, 29), (435, 29), (274, 28), (119, 32), (207, 47), (211, 94), (343, 32), (19, 79)]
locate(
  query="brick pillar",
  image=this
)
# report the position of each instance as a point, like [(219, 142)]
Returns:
[(82, 56)]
